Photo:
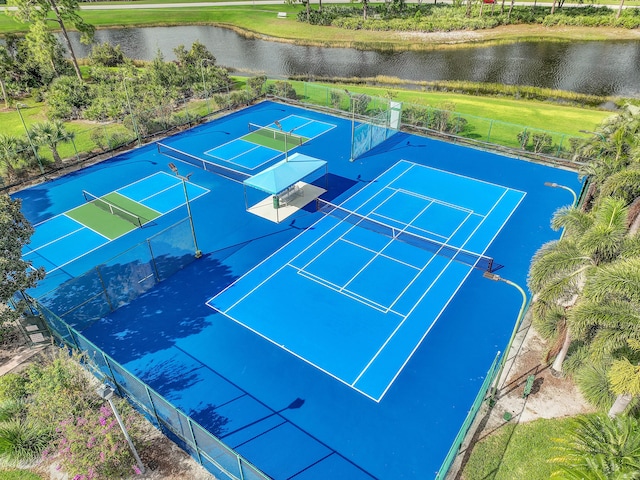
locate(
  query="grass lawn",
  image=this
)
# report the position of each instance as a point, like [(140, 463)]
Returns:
[(517, 451), (494, 119), (490, 119)]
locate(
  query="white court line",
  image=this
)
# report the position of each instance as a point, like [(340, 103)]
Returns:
[(342, 291), (397, 260), (429, 262), (158, 192), (142, 180), (477, 180), (310, 228), (59, 238), (383, 248), (433, 200), (326, 372), (426, 292)]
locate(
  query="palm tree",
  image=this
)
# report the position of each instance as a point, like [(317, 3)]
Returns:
[(615, 146), (49, 134), (9, 148), (560, 269), (600, 448)]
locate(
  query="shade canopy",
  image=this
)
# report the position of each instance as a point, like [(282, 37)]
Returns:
[(279, 177)]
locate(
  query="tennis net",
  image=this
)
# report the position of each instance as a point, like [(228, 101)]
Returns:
[(113, 209), (472, 259), (276, 134), (226, 172)]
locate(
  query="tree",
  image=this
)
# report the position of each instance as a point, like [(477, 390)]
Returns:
[(560, 269), (36, 13), (49, 134), (599, 447), (10, 146), (68, 97), (16, 274), (5, 68)]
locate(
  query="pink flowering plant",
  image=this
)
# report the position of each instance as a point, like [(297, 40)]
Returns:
[(92, 445)]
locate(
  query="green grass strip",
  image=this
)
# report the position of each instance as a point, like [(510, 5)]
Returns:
[(517, 451)]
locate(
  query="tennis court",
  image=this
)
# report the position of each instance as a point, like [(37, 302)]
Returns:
[(264, 144), (348, 341), (368, 264)]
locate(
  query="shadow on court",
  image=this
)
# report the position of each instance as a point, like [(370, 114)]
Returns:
[(172, 310)]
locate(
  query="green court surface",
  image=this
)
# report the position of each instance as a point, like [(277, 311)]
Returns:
[(126, 215), (281, 141)]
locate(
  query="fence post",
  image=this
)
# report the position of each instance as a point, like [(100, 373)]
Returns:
[(489, 132), (193, 437)]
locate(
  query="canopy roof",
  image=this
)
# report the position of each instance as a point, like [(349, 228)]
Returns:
[(277, 178)]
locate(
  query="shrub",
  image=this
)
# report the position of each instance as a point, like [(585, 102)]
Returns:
[(92, 445), (22, 443), (12, 409), (593, 382), (283, 90), (12, 387), (106, 55), (59, 388)]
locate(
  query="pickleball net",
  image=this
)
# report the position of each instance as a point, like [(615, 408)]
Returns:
[(276, 134), (475, 260), (176, 154), (120, 212)]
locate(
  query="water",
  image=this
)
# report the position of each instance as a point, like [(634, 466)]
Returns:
[(601, 68)]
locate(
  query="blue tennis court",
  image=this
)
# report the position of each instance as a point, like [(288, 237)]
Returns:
[(348, 341), (390, 290), (245, 154)]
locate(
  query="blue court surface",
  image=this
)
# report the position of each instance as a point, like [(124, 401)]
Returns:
[(331, 345)]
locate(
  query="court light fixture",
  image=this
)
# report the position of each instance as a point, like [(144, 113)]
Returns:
[(105, 392), (503, 360), (133, 118), (185, 179), (563, 187)]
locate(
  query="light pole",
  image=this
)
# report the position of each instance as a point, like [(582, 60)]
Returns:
[(204, 85), (26, 130), (106, 393), (184, 179), (564, 187), (133, 118), (353, 121), (516, 327)]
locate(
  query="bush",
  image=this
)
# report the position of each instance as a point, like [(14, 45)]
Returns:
[(283, 90), (67, 97), (22, 443), (92, 445), (593, 382), (12, 387), (106, 55)]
